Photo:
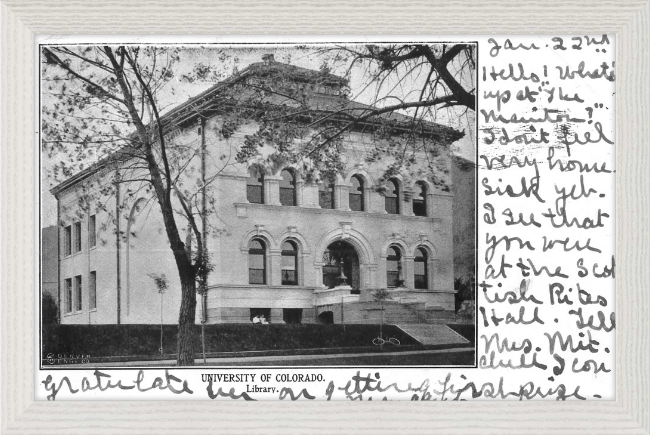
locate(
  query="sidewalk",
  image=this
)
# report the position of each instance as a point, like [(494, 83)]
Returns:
[(252, 361)]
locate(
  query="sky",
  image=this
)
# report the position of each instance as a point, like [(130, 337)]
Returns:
[(226, 59)]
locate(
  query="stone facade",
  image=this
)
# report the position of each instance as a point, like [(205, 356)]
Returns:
[(110, 262)]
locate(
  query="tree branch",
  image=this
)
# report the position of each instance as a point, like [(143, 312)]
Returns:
[(54, 58)]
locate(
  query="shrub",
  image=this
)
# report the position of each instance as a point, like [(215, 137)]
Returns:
[(49, 310), (132, 340), (466, 290)]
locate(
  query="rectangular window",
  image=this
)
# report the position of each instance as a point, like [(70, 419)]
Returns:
[(92, 232), (77, 237), (92, 290), (258, 313), (292, 315), (67, 295), (67, 241), (77, 292)]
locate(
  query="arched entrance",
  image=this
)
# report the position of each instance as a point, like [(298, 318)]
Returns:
[(341, 265)]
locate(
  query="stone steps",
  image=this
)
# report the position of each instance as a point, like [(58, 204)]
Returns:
[(371, 312)]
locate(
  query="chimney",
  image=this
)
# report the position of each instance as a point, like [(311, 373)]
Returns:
[(268, 58)]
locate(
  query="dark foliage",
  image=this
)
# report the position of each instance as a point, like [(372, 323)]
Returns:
[(465, 287), (49, 310)]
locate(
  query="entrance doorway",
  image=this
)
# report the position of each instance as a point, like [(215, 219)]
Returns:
[(341, 265)]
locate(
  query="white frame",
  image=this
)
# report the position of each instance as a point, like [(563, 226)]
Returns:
[(628, 19)]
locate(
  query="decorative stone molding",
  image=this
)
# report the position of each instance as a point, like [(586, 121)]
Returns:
[(408, 193), (242, 211), (345, 227), (261, 232)]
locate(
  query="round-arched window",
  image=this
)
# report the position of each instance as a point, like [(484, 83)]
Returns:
[(392, 197), (420, 199), (394, 267), (257, 262), (289, 263), (288, 187), (421, 269), (357, 193), (255, 186)]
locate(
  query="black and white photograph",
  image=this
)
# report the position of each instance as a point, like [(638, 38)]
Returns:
[(435, 207), (258, 205)]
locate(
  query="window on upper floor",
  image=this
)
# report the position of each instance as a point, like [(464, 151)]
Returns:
[(420, 199), (393, 267), (78, 293), (288, 187), (256, 262), (67, 241), (77, 237), (92, 231), (392, 197), (357, 194), (421, 269), (92, 290), (67, 295), (326, 194), (255, 186), (289, 263)]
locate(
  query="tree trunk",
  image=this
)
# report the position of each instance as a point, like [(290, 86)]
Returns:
[(186, 319)]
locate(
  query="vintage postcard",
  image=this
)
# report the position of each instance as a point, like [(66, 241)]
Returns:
[(316, 218)]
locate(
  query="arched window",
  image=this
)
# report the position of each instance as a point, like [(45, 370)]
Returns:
[(289, 263), (255, 186), (288, 188), (392, 197), (256, 262), (356, 194), (394, 267), (326, 194), (420, 199), (421, 269)]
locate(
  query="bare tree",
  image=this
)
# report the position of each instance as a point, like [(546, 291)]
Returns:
[(105, 102), (406, 88)]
